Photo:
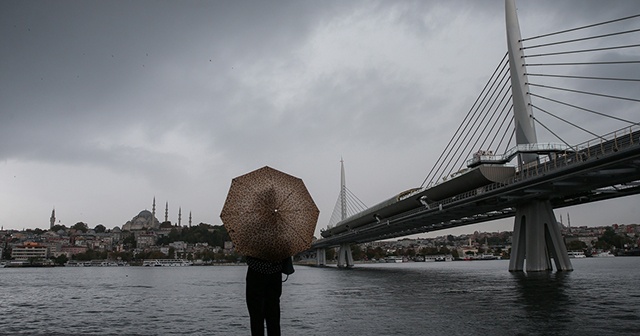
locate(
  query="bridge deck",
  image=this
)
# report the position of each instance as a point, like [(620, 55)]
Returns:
[(606, 170)]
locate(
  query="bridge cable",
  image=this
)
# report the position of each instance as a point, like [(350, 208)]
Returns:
[(513, 132), (493, 124), (585, 77), (566, 121), (468, 151), (580, 63), (586, 109), (462, 152), (504, 119), (583, 51), (581, 39), (450, 150), (584, 92), (552, 132), (359, 202), (455, 135), (354, 206), (579, 28), (476, 116)]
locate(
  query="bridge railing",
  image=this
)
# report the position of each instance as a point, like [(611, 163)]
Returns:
[(606, 144)]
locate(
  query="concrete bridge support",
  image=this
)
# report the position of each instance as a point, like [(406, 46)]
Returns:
[(321, 257), (536, 233), (345, 258), (537, 238)]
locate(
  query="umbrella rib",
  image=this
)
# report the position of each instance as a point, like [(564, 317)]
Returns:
[(297, 233), (285, 199)]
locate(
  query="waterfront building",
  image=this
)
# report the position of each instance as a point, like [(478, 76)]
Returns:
[(72, 249), (145, 239), (29, 250)]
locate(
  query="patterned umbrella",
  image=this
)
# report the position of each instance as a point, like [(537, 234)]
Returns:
[(269, 214)]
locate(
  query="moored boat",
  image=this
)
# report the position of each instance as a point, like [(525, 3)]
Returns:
[(603, 254), (576, 254), (393, 259), (166, 262)]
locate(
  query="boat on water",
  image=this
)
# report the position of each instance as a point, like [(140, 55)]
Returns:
[(603, 254), (576, 254), (393, 259), (439, 257), (94, 263), (166, 262)]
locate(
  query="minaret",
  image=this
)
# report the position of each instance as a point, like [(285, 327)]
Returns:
[(153, 213), (179, 215), (189, 218), (166, 212), (52, 220)]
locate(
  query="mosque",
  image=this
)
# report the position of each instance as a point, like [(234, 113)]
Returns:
[(146, 220)]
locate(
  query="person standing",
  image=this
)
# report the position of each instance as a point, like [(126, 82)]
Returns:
[(264, 288)]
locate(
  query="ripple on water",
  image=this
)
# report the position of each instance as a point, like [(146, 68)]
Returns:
[(454, 298)]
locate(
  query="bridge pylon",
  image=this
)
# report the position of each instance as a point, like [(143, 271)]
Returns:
[(321, 257), (537, 238), (536, 232), (345, 258)]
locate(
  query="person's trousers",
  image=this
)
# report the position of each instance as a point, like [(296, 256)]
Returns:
[(263, 301)]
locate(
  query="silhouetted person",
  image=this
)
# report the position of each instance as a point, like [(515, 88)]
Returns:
[(264, 287)]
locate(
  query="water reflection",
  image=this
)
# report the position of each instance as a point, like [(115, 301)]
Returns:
[(545, 300)]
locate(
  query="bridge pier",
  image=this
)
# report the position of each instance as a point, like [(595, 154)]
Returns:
[(321, 257), (537, 238), (345, 258)]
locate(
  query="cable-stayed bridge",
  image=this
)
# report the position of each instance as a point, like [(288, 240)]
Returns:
[(583, 94)]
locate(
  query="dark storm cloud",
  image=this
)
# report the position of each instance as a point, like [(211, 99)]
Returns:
[(104, 66), (179, 97)]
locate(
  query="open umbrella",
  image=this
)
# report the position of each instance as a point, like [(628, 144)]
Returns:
[(269, 214)]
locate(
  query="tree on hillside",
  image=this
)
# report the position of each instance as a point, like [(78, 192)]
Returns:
[(356, 252), (80, 226), (91, 255), (37, 231), (202, 233), (611, 239), (375, 253), (100, 228), (576, 245), (129, 242), (58, 227)]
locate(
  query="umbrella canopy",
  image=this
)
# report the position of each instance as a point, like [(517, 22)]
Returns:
[(269, 214)]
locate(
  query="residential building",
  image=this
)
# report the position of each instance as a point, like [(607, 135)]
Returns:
[(29, 250)]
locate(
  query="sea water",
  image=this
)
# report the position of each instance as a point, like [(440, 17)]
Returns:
[(600, 297)]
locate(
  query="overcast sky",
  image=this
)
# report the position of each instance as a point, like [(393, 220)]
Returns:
[(105, 105)]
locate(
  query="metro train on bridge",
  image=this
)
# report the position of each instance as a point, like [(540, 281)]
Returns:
[(464, 181)]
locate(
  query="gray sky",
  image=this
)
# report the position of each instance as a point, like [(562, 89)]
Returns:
[(107, 104)]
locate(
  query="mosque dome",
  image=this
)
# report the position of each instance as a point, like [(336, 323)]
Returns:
[(144, 220), (145, 214)]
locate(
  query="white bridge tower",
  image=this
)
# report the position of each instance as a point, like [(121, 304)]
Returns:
[(536, 232)]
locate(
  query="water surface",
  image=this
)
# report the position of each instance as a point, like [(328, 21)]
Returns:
[(601, 297)]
